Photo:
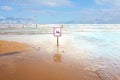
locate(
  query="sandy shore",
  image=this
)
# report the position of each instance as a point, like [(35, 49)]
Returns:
[(80, 56), (37, 67), (9, 47)]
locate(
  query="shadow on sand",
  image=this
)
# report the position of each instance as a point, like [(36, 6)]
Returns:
[(7, 54)]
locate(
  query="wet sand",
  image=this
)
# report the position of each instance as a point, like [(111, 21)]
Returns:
[(80, 56), (35, 65)]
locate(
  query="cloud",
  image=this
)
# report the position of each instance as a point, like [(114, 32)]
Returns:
[(52, 3), (112, 3), (100, 16), (94, 16), (16, 19), (39, 11), (6, 8), (55, 3)]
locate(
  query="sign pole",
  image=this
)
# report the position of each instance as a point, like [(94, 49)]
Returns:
[(57, 41)]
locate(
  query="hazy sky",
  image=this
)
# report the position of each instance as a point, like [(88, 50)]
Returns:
[(60, 11)]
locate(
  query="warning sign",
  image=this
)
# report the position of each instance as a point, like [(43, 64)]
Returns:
[(57, 31)]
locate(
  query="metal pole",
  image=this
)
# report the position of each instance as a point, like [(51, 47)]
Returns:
[(57, 41)]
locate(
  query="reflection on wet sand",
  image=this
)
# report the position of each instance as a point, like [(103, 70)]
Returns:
[(57, 56)]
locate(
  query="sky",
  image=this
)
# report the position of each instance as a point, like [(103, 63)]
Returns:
[(60, 11)]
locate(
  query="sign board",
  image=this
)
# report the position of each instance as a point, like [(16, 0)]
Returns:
[(57, 31)]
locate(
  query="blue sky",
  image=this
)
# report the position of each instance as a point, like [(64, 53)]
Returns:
[(60, 11)]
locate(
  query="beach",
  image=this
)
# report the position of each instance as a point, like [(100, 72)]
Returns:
[(19, 65), (79, 56), (59, 39)]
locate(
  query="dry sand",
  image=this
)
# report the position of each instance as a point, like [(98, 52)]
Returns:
[(34, 67), (9, 47)]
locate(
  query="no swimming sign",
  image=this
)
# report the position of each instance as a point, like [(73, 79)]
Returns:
[(57, 31)]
